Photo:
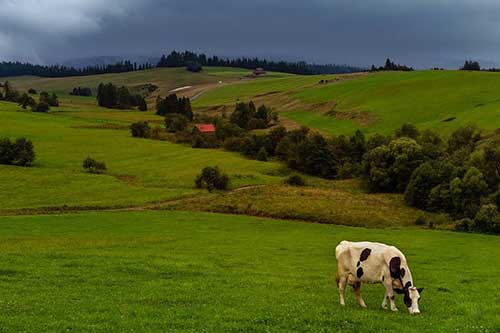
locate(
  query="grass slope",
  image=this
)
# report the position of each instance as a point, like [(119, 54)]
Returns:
[(166, 78), (139, 170), (175, 271), (442, 100)]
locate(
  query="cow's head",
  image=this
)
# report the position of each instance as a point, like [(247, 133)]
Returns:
[(411, 297)]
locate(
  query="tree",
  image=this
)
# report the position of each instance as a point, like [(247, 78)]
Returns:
[(389, 168), (470, 65), (142, 105), (487, 220), (123, 98), (173, 104), (40, 107), (408, 131), (175, 122), (212, 178), (315, 156), (140, 129), (464, 137), (262, 155), (24, 153), (20, 153)]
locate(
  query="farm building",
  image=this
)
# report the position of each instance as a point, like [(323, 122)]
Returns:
[(259, 71), (204, 128)]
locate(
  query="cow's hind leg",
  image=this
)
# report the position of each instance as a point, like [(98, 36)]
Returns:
[(357, 290)]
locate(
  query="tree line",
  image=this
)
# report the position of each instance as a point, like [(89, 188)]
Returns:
[(113, 97), (191, 59), (391, 66), (19, 68)]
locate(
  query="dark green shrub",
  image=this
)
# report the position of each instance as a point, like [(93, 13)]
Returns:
[(487, 220), (92, 166), (408, 131), (140, 129), (464, 225), (421, 221), (41, 107), (295, 180), (20, 152), (32, 91), (212, 178), (175, 122), (262, 155), (24, 154)]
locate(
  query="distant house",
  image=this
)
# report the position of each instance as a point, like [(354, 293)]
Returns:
[(204, 129), (259, 71)]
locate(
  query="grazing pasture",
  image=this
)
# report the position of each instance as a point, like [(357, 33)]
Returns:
[(441, 100), (139, 171), (185, 271)]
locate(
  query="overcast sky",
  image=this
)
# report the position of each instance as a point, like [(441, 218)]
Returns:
[(421, 33)]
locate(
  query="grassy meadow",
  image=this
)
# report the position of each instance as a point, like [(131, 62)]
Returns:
[(140, 249), (184, 271), (139, 171)]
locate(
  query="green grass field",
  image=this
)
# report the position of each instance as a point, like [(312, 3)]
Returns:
[(164, 264), (139, 171), (178, 271), (442, 100)]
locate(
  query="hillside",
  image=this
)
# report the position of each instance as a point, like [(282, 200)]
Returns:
[(375, 102)]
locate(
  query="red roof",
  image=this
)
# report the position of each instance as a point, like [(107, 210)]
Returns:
[(205, 128)]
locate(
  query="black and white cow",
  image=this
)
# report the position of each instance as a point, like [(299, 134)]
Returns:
[(376, 263)]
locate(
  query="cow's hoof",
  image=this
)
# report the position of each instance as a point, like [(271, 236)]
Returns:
[(384, 306), (394, 310), (363, 305)]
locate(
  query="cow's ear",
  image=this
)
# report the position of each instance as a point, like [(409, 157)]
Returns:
[(399, 291), (420, 290)]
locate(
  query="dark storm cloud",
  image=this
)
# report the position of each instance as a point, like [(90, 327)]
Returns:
[(421, 33)]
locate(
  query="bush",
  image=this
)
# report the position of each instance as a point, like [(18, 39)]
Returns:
[(32, 91), (295, 180), (41, 107), (20, 152), (140, 129), (212, 178), (175, 122), (420, 221), (262, 155), (487, 220), (464, 225), (92, 166)]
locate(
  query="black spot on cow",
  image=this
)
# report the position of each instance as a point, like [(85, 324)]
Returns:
[(383, 278), (408, 285), (407, 299), (365, 254), (403, 272), (359, 263), (392, 297), (395, 267), (359, 272)]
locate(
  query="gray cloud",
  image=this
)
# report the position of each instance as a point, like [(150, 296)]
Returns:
[(422, 33)]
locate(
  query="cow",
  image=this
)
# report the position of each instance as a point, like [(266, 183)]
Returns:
[(369, 262)]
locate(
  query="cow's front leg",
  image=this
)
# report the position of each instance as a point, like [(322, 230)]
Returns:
[(384, 302), (341, 284), (357, 290), (389, 294)]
